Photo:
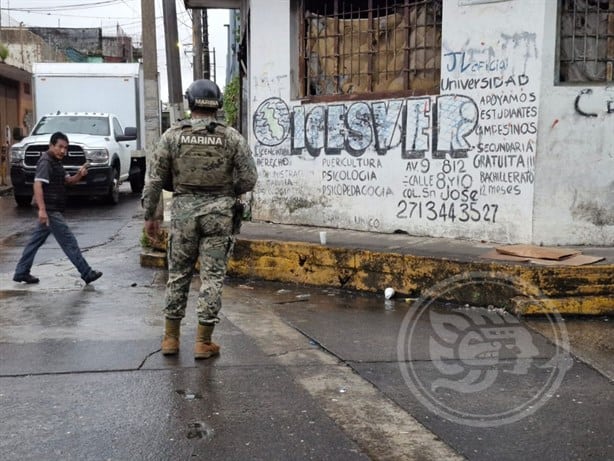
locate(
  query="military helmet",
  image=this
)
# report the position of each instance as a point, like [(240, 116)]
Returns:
[(203, 94)]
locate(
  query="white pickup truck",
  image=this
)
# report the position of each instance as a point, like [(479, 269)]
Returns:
[(96, 138)]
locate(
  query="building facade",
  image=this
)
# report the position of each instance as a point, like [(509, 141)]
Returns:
[(475, 119)]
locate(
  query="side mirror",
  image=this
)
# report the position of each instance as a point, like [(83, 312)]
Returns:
[(129, 134), (17, 133)]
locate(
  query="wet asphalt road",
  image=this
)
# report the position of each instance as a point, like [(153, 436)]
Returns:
[(93, 222), (304, 373)]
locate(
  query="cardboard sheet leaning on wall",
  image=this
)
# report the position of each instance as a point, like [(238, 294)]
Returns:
[(385, 46)]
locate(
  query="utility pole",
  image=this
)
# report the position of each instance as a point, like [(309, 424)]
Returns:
[(207, 60), (150, 77), (197, 43), (214, 75), (150, 74), (173, 64)]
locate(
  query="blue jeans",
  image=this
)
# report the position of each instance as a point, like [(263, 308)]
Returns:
[(65, 238)]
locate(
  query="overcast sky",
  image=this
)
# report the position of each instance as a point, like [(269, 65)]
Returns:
[(127, 13)]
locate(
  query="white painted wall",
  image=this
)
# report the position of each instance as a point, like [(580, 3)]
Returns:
[(574, 190), (473, 152)]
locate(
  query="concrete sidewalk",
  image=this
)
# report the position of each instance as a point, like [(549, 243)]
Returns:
[(436, 268)]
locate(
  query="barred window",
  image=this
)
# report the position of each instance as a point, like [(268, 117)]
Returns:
[(369, 46), (586, 40)]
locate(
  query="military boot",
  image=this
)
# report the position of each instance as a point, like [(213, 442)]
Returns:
[(170, 342), (203, 347)]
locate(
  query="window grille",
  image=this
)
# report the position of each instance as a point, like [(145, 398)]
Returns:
[(586, 41), (369, 46)]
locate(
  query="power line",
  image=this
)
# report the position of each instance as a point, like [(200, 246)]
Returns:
[(64, 15), (64, 7)]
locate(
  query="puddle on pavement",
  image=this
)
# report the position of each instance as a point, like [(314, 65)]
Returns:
[(5, 294), (199, 430), (187, 395)]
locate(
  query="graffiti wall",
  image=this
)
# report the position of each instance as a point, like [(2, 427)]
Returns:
[(457, 164), (574, 189)]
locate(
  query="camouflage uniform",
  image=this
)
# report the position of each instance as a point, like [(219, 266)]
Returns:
[(201, 216)]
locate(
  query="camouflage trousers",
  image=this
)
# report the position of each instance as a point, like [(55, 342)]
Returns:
[(206, 239)]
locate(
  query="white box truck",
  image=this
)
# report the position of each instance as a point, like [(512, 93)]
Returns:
[(100, 107)]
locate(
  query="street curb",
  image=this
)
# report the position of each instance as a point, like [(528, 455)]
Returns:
[(583, 290)]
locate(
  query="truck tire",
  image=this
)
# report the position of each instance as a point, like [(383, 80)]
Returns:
[(23, 201), (137, 182), (113, 194)]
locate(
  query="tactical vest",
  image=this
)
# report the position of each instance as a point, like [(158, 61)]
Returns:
[(54, 193), (204, 163)]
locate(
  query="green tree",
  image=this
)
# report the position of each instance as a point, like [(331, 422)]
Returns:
[(231, 101), (4, 52)]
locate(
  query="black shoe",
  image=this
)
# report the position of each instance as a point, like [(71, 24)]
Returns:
[(28, 278), (91, 276)]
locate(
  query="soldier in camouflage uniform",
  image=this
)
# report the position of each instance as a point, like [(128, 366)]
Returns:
[(209, 165)]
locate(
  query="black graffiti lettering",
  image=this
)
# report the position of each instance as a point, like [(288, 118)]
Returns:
[(463, 195), (507, 177), (354, 190), (413, 165), (577, 103), (501, 99), (508, 112), (609, 106), (352, 175), (499, 161), (419, 180), (503, 190), (458, 59), (504, 147), (483, 83), (273, 162), (507, 129), (373, 223), (351, 162), (263, 151)]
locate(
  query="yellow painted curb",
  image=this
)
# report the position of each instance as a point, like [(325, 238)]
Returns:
[(569, 290), (153, 258), (584, 305)]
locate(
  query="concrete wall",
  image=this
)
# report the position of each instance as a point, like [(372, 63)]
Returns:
[(86, 40), (26, 47), (117, 49), (461, 164), (574, 189)]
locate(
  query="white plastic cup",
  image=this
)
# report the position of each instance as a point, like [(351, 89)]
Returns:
[(389, 292), (323, 237)]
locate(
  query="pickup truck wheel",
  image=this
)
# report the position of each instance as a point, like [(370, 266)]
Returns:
[(113, 195), (23, 200)]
